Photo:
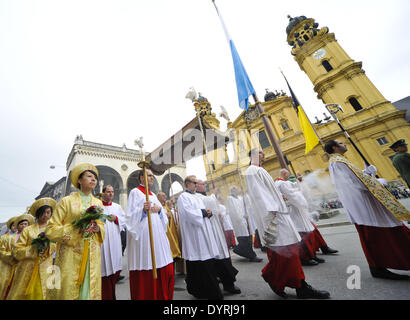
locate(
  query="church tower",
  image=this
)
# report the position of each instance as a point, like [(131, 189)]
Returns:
[(336, 77)]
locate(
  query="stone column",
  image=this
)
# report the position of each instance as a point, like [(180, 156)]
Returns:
[(123, 198)]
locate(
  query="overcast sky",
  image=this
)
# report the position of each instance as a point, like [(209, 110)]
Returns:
[(116, 70)]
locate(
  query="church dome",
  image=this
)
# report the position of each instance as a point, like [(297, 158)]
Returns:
[(293, 22)]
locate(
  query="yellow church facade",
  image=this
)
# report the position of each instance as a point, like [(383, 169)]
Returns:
[(371, 120)]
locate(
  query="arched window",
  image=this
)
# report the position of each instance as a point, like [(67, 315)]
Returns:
[(326, 64), (355, 104), (263, 139)]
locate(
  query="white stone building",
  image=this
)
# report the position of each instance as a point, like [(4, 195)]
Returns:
[(117, 166)]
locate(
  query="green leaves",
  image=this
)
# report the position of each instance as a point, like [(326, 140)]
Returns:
[(41, 242)]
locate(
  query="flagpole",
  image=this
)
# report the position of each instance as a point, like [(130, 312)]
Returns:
[(248, 89), (269, 130), (240, 184), (320, 139), (206, 148)]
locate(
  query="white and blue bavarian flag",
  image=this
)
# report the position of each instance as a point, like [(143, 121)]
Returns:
[(243, 84)]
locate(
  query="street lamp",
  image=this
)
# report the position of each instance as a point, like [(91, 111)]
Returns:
[(53, 166)]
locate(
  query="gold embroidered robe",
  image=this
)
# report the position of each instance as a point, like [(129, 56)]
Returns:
[(70, 247), (380, 193), (173, 235), (6, 263), (27, 257)]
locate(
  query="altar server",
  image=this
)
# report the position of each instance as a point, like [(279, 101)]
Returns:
[(278, 233), (111, 249), (142, 284), (375, 212), (226, 272), (199, 247)]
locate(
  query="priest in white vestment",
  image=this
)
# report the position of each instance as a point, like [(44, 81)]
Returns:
[(252, 225), (226, 224), (111, 249), (298, 207), (376, 214), (226, 272), (277, 232), (199, 246), (238, 212), (142, 284)]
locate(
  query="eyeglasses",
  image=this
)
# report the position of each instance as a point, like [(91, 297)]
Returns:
[(194, 182)]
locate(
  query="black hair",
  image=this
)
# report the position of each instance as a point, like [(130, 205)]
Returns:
[(21, 221), (250, 154), (329, 146), (105, 187), (40, 211), (81, 175), (140, 173)]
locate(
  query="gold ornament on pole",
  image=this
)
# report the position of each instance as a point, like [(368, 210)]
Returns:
[(200, 107)]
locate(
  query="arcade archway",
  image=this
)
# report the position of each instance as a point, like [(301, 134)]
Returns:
[(134, 182)]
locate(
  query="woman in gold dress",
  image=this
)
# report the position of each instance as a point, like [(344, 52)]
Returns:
[(5, 260), (7, 253), (78, 260), (33, 267)]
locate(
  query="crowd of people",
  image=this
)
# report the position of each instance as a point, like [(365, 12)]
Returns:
[(332, 204), (78, 243)]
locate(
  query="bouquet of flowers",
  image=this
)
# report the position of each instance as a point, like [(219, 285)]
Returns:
[(86, 222), (41, 242)]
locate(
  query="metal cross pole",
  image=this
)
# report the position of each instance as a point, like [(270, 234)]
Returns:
[(333, 114), (144, 165)]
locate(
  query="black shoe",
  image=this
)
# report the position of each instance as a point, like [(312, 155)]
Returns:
[(319, 260), (120, 278), (255, 259), (386, 274), (239, 253), (263, 249), (310, 262), (281, 294), (307, 292), (327, 250), (232, 289)]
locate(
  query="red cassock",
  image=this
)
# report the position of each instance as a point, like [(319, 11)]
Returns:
[(230, 238), (386, 247), (312, 241), (144, 287), (256, 242), (284, 268), (108, 286)]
